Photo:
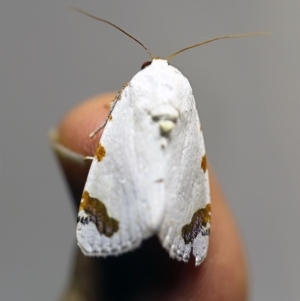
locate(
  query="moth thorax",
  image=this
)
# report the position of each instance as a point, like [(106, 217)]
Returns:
[(166, 116)]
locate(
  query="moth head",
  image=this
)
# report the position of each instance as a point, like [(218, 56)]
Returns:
[(146, 64)]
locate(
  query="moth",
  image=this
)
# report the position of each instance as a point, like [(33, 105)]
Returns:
[(149, 173)]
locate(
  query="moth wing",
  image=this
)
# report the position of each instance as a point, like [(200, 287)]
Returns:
[(186, 222), (109, 220)]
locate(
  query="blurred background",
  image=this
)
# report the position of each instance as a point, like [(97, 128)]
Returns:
[(247, 93)]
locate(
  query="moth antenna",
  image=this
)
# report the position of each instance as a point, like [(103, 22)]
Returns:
[(113, 25), (218, 38)]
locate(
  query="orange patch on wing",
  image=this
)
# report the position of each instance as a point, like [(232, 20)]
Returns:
[(100, 152), (204, 163), (198, 222), (97, 211)]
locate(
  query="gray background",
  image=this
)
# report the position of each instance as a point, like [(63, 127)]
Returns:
[(247, 92)]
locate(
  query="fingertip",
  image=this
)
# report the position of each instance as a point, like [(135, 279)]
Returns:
[(75, 127), (71, 143), (227, 256)]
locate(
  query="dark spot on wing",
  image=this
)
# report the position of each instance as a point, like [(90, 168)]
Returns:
[(97, 212), (198, 224)]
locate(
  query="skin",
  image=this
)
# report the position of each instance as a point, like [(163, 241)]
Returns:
[(221, 277)]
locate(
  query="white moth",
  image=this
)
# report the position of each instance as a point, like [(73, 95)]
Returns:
[(149, 174)]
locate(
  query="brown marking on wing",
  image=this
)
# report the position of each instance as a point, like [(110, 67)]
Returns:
[(100, 152), (204, 163), (198, 222), (97, 211)]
